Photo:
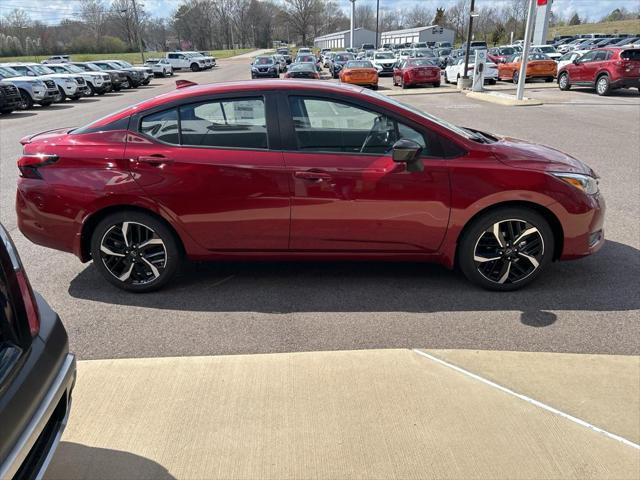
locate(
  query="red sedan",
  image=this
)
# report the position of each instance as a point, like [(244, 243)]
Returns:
[(301, 170), (416, 71)]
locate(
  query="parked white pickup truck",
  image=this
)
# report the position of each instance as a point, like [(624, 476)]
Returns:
[(184, 61)]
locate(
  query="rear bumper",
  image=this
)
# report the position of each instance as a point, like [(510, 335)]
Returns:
[(629, 82), (35, 405)]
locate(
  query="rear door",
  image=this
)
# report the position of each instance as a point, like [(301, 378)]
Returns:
[(347, 193), (214, 163)]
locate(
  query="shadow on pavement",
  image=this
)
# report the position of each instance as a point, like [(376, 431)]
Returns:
[(76, 461), (603, 282)]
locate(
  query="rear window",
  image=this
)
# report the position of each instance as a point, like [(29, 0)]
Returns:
[(631, 55)]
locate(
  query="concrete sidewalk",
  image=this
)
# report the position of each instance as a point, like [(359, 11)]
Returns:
[(360, 414)]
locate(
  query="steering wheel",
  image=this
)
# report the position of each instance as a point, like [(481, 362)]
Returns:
[(375, 128)]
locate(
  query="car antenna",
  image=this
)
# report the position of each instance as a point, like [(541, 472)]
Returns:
[(185, 83)]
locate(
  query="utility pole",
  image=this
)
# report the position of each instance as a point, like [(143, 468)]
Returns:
[(353, 16), (138, 30), (522, 77), (377, 21), (465, 75)]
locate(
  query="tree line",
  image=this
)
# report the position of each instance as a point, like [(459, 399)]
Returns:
[(109, 26)]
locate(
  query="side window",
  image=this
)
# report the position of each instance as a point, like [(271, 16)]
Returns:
[(329, 126), (588, 57), (237, 123), (172, 55), (600, 56), (162, 126)]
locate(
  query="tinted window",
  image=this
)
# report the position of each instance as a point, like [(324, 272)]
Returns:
[(162, 126), (226, 123), (329, 126), (630, 55), (600, 56), (588, 57)]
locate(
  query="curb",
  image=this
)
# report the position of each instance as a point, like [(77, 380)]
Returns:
[(503, 99)]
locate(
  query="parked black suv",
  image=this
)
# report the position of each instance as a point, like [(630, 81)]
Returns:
[(37, 372), (9, 97)]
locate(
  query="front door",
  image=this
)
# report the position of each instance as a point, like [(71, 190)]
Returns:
[(210, 166), (347, 193)]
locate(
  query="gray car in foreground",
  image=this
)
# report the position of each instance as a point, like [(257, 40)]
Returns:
[(37, 372)]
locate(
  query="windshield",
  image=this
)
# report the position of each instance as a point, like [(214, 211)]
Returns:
[(41, 69), (359, 64), (73, 68), (444, 52), (443, 123), (264, 61), (548, 49), (125, 64), (6, 72), (420, 62), (344, 57), (507, 51), (384, 56), (92, 66), (424, 52), (298, 67)]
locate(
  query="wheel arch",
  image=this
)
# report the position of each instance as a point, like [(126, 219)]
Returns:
[(549, 216), (95, 218)]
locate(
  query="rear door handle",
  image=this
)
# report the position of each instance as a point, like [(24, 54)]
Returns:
[(313, 176), (155, 159)]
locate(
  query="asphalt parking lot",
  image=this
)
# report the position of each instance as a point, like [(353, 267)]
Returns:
[(586, 306)]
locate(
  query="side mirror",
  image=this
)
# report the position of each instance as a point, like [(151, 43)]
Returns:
[(576, 61), (405, 151)]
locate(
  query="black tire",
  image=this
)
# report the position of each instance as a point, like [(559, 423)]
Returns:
[(195, 67), (548, 79), (603, 85), (374, 87), (436, 85), (563, 81), (27, 101), (402, 84), (6, 111), (62, 97), (93, 90), (515, 78), (505, 266), (492, 82), (46, 104), (136, 269)]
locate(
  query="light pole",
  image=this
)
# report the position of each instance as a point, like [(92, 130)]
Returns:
[(137, 20), (377, 21), (353, 16), (472, 14), (522, 77)]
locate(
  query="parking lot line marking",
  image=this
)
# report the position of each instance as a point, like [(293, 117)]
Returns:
[(529, 400)]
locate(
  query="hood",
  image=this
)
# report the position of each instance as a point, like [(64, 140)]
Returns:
[(386, 60), (521, 154), (23, 78), (68, 76)]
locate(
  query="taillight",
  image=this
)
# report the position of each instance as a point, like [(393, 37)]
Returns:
[(26, 292), (29, 300), (29, 164)]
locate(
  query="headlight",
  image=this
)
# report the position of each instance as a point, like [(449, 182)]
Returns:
[(587, 184), (254, 69)]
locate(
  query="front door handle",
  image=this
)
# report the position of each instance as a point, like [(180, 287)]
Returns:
[(155, 159), (313, 176)]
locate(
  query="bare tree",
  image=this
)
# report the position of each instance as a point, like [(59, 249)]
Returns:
[(302, 15), (94, 15)]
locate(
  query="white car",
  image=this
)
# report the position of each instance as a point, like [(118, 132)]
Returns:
[(453, 72), (209, 62), (69, 85), (548, 50), (569, 57), (57, 59), (160, 66), (405, 53), (304, 51), (98, 83), (184, 61), (384, 62)]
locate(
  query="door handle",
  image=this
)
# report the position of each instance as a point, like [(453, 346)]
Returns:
[(313, 176), (155, 159)]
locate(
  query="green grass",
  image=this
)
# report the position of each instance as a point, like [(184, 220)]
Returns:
[(621, 26), (130, 57)]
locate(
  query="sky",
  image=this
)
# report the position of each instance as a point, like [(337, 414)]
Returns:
[(52, 11)]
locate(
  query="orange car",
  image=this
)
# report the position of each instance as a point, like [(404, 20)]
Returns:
[(360, 72), (538, 66)]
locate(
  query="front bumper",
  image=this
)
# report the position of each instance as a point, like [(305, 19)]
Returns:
[(584, 231), (37, 403), (264, 74), (10, 102)]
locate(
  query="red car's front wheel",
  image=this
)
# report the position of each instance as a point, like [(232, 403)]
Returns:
[(506, 249)]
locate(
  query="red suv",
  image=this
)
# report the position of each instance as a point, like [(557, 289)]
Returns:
[(301, 170), (604, 69)]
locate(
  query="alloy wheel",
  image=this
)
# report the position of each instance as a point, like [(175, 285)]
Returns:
[(509, 251), (564, 80), (133, 253), (603, 85)]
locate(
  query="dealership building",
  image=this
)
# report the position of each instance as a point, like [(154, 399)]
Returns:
[(343, 39), (431, 34)]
